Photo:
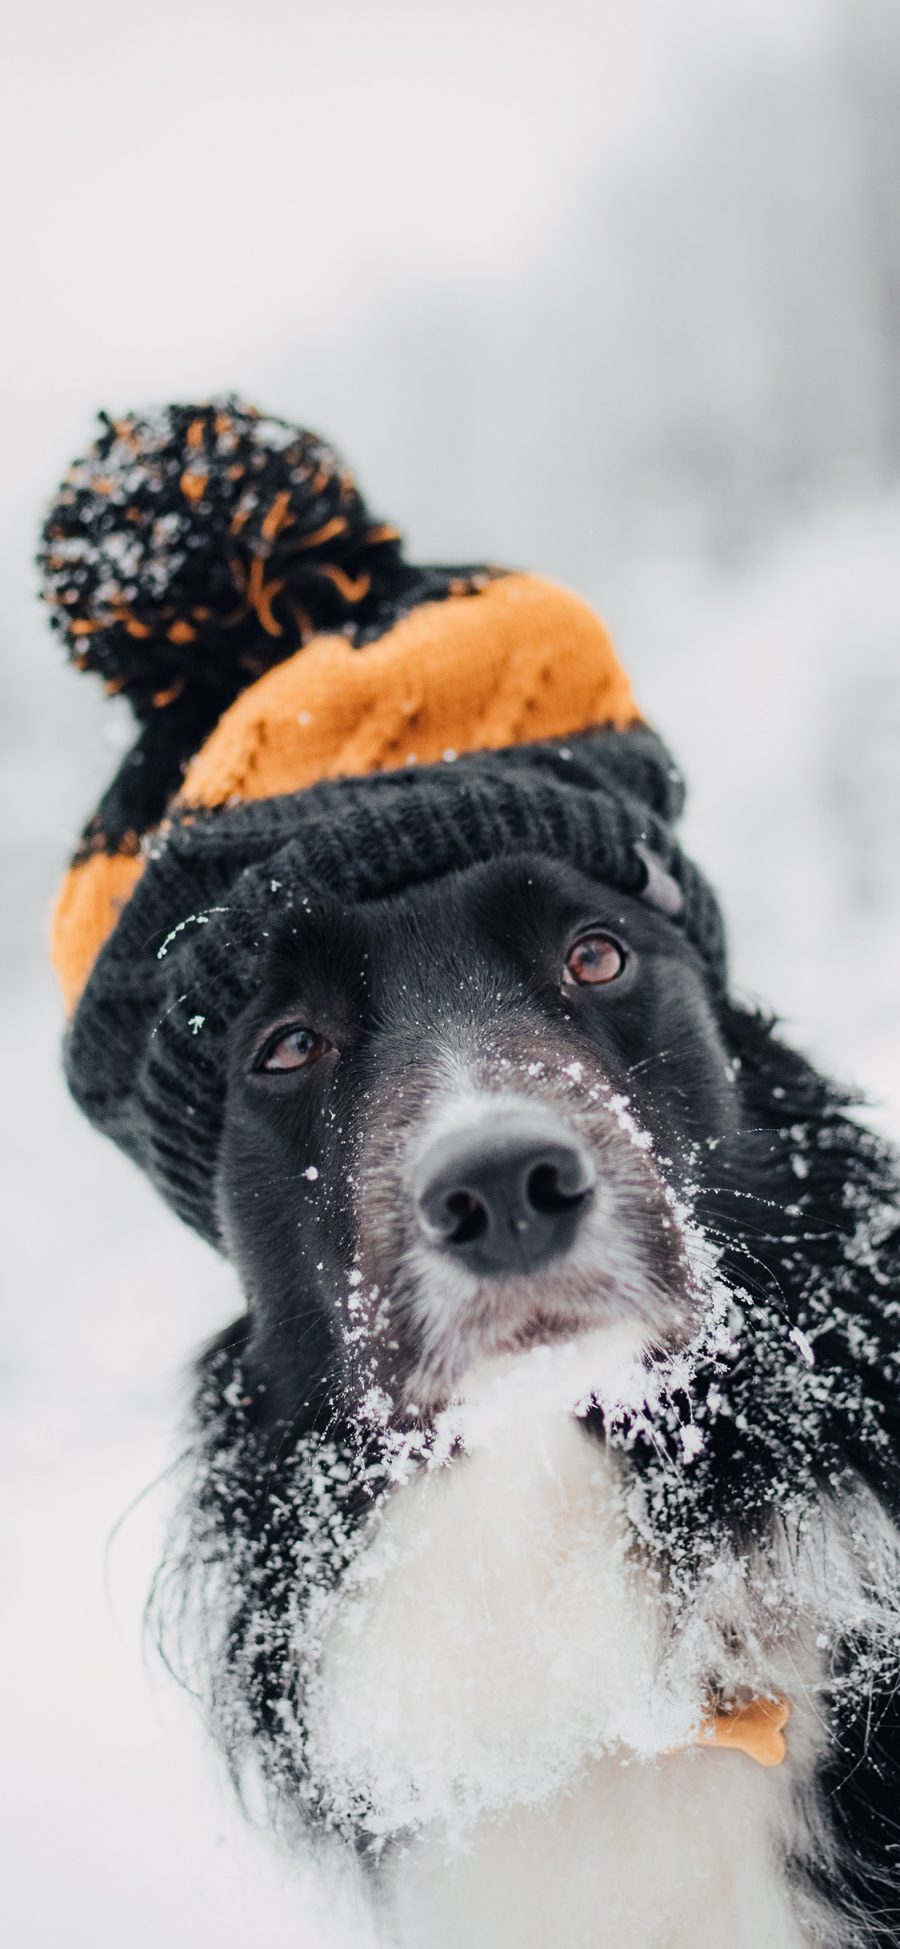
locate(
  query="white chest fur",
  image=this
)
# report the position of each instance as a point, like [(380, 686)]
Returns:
[(493, 1684), (679, 1855)]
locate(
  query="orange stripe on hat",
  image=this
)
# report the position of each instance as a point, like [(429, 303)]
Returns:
[(521, 660), (88, 905)]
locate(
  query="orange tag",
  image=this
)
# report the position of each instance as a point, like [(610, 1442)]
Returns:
[(756, 1729)]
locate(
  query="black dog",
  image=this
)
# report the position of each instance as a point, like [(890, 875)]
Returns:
[(541, 1542), (492, 1127)]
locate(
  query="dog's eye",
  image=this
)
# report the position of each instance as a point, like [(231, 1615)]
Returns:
[(294, 1048), (593, 960)]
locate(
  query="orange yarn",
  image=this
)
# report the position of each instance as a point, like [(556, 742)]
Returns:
[(520, 660), (88, 905)]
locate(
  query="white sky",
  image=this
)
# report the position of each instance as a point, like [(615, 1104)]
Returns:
[(187, 181)]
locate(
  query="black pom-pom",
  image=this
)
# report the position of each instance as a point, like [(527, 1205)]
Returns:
[(193, 548)]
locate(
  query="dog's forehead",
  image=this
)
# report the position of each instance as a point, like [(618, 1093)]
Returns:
[(505, 891), (513, 903), (462, 923)]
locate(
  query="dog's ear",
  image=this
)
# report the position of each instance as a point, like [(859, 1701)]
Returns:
[(660, 889)]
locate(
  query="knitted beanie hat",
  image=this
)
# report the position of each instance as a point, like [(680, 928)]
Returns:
[(314, 713)]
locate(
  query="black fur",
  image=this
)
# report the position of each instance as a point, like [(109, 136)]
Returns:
[(797, 1197)]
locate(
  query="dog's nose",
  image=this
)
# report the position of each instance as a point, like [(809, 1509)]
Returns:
[(507, 1197)]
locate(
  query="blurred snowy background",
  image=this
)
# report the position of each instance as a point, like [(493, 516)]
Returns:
[(609, 293)]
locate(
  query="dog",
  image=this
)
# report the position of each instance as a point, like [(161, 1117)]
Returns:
[(564, 1405), (539, 1548)]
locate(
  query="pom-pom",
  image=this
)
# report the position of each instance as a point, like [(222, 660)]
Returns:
[(193, 548)]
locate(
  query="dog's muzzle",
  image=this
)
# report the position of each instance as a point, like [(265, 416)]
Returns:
[(508, 1197)]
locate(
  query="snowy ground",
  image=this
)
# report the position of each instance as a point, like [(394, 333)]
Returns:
[(779, 689)]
